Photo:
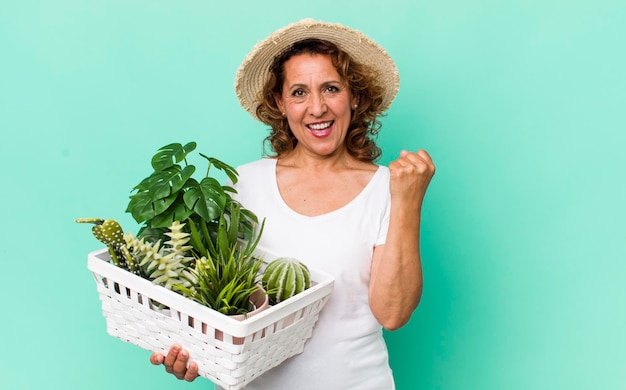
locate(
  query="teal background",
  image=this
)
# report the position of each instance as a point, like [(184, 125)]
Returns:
[(520, 103)]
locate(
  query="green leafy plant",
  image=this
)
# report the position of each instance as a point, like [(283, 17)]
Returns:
[(228, 276), (170, 193), (194, 238)]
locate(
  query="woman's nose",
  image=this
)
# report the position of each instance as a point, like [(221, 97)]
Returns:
[(318, 105)]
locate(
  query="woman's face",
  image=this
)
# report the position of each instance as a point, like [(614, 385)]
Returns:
[(317, 103)]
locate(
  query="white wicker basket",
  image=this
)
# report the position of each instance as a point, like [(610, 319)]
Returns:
[(247, 349)]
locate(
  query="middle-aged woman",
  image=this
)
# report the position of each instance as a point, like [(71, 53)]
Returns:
[(321, 88)]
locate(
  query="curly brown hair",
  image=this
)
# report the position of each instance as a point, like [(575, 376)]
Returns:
[(364, 125)]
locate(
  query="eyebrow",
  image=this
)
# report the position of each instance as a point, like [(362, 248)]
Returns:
[(325, 83)]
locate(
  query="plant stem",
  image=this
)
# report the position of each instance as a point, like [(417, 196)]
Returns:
[(116, 261)]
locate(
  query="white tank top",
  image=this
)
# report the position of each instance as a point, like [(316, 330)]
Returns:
[(347, 349)]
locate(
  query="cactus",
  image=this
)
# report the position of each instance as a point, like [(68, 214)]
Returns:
[(285, 277), (165, 264), (110, 233)]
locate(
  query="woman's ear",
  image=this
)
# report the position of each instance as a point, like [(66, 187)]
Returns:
[(354, 102)]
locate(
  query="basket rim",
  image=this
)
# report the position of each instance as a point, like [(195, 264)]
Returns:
[(322, 285)]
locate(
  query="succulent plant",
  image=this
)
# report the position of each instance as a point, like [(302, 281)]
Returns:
[(285, 277), (166, 264), (110, 233)]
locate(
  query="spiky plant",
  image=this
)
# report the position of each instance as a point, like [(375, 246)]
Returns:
[(226, 278), (166, 264)]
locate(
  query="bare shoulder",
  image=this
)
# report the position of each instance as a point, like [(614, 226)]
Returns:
[(362, 172)]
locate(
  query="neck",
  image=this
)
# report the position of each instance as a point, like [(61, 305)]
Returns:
[(299, 158)]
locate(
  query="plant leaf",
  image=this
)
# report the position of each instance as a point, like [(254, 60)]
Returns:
[(169, 180), (176, 212), (188, 148), (248, 223), (208, 199), (235, 214), (143, 208), (157, 192), (171, 154), (195, 238), (222, 166), (151, 234)]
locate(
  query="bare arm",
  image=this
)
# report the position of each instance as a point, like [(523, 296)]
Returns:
[(396, 277)]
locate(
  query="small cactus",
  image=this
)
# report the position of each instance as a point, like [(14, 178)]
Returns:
[(110, 233), (285, 277)]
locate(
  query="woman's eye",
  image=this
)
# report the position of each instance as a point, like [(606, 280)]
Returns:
[(332, 88), (298, 93)]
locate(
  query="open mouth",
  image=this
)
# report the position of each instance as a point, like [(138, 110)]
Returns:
[(320, 126), (320, 129)]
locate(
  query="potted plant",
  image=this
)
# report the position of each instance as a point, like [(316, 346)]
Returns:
[(229, 275), (170, 193), (200, 244), (194, 239)]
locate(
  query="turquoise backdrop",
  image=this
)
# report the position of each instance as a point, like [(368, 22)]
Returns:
[(521, 104)]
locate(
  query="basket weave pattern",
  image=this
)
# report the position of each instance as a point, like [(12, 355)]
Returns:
[(155, 318)]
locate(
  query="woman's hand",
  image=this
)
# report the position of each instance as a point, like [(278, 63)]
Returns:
[(176, 363), (410, 176)]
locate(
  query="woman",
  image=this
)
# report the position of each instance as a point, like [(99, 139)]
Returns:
[(327, 203)]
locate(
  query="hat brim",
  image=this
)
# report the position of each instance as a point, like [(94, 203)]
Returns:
[(254, 70)]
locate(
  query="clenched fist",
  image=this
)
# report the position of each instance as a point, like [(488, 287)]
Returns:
[(410, 176)]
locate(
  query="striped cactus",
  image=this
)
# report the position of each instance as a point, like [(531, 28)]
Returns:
[(285, 277)]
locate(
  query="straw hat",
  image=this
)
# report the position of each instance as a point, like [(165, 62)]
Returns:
[(253, 71)]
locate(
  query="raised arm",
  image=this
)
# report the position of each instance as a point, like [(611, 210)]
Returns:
[(396, 276)]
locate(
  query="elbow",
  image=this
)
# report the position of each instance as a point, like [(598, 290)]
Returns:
[(394, 324), (396, 320)]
